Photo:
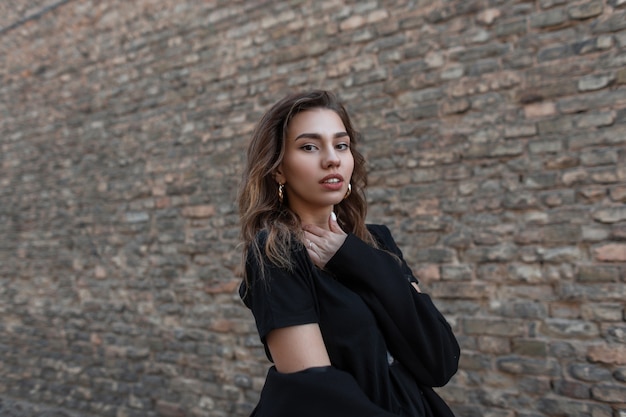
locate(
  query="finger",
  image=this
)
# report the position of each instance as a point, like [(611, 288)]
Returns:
[(334, 225), (332, 222), (313, 230), (310, 237)]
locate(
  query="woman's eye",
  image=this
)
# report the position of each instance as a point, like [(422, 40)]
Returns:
[(308, 148), (343, 146)]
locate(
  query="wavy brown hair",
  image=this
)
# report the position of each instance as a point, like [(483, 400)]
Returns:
[(259, 206)]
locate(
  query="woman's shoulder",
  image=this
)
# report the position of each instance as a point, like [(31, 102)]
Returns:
[(380, 232), (289, 250), (383, 237)]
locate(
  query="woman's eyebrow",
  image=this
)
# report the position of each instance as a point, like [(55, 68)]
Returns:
[(318, 136)]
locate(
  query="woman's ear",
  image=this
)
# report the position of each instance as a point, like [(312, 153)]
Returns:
[(278, 175)]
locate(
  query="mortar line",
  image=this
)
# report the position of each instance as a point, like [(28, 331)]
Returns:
[(33, 16)]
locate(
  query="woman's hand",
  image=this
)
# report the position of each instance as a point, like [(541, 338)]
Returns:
[(322, 244)]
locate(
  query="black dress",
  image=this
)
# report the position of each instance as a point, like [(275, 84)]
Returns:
[(388, 344)]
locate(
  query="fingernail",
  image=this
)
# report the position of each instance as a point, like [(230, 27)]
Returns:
[(333, 216)]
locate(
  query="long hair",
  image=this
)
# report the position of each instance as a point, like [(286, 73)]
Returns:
[(259, 206)]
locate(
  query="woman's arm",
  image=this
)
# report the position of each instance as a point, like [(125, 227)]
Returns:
[(296, 348), (303, 382), (417, 333)]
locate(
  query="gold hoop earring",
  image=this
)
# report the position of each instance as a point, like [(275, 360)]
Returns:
[(281, 192), (349, 191)]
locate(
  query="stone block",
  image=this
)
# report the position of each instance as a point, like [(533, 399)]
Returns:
[(586, 10), (589, 372), (456, 273), (618, 193), (614, 23), (553, 17), (610, 393), (488, 16), (519, 365), (540, 110), (494, 345), (595, 120), (530, 347), (475, 361), (564, 328), (598, 273), (595, 82), (546, 4), (557, 52), (462, 290), (516, 26), (492, 327), (595, 157), (611, 252), (572, 389)]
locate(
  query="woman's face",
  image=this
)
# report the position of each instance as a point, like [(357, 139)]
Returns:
[(317, 165)]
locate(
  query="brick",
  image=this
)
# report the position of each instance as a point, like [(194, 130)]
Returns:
[(598, 44), (517, 26), (199, 212), (479, 52), (612, 252), (518, 131), (553, 17), (563, 254), (591, 273), (609, 393), (493, 345), (486, 326), (618, 193), (458, 106), (610, 214), (572, 389), (554, 146), (599, 157), (595, 120), (585, 10), (588, 372), (553, 126), (569, 328), (530, 347), (615, 22), (539, 110), (526, 366), (456, 273), (593, 292), (595, 82), (558, 52), (546, 4), (488, 16)]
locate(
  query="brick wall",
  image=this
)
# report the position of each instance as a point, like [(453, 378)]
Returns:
[(496, 137)]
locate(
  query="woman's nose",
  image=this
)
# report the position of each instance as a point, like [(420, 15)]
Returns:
[(331, 158)]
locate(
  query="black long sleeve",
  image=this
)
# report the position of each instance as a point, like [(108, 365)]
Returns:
[(315, 392), (417, 334)]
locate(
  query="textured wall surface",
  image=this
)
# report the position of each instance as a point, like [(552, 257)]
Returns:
[(496, 137)]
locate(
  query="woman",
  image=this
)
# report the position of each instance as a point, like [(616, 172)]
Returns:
[(337, 308)]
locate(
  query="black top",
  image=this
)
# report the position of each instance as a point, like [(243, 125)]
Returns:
[(388, 344)]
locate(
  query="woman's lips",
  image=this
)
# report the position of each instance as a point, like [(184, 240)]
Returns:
[(332, 182)]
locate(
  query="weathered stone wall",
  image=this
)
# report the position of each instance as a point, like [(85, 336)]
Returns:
[(496, 137)]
